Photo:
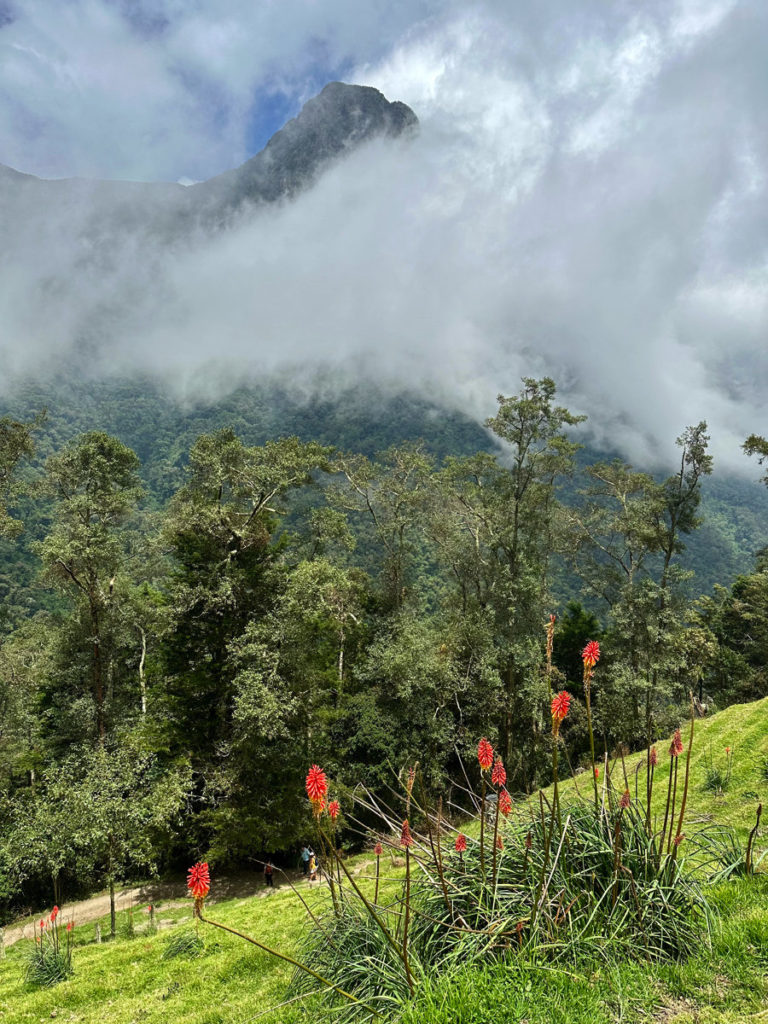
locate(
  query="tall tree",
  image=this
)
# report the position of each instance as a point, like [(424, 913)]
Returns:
[(16, 445), (94, 481), (496, 525), (223, 532)]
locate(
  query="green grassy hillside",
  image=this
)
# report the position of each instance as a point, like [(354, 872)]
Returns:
[(724, 982), (743, 728)]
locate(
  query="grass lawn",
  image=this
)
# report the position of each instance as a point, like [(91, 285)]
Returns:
[(724, 982), (743, 728)]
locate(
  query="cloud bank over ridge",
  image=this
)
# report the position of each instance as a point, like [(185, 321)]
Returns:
[(586, 198)]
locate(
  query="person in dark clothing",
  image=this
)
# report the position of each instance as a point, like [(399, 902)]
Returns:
[(269, 871), (305, 855)]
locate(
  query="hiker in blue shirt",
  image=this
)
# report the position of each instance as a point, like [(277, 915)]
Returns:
[(305, 855)]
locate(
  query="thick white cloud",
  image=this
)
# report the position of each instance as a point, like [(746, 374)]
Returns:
[(586, 198)]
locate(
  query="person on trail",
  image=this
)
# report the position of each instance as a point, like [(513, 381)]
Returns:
[(312, 866), (305, 855), (269, 870)]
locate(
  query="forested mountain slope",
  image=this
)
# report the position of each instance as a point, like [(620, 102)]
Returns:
[(161, 429)]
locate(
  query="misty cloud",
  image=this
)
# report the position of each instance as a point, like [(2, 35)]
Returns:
[(586, 198)]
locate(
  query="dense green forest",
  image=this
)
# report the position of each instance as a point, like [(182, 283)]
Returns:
[(199, 602)]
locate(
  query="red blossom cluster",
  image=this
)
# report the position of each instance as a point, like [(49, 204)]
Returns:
[(199, 880), (461, 843), (317, 787), (560, 704), (505, 802), (624, 802), (333, 809), (654, 757), (378, 849), (485, 754), (591, 654), (406, 837), (499, 774), (676, 747)]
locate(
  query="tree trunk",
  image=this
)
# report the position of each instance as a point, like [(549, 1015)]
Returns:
[(98, 682), (112, 921), (142, 679)]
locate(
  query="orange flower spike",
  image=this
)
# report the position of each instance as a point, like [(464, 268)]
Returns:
[(498, 775), (654, 757), (485, 754), (317, 785), (676, 747), (550, 636), (624, 803), (199, 880), (591, 654), (505, 803), (461, 843), (406, 837), (333, 809), (560, 704), (378, 849)]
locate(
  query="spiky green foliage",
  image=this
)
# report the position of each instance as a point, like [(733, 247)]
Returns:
[(186, 943)]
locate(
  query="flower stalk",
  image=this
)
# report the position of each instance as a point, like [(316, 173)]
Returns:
[(590, 657)]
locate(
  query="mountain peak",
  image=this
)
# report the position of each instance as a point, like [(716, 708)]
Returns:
[(336, 121)]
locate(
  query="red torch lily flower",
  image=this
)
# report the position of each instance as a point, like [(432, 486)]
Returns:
[(378, 849), (485, 754), (333, 809), (406, 837), (654, 757), (505, 802), (676, 747), (317, 787), (678, 839), (727, 750), (498, 775), (199, 880), (461, 843), (624, 803), (69, 926), (597, 772), (591, 654), (560, 704)]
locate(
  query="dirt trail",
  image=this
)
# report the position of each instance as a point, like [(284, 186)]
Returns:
[(168, 894)]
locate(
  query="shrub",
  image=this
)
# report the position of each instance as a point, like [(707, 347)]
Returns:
[(50, 960), (717, 777), (186, 943)]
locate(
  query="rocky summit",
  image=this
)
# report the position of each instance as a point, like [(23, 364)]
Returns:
[(329, 126)]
